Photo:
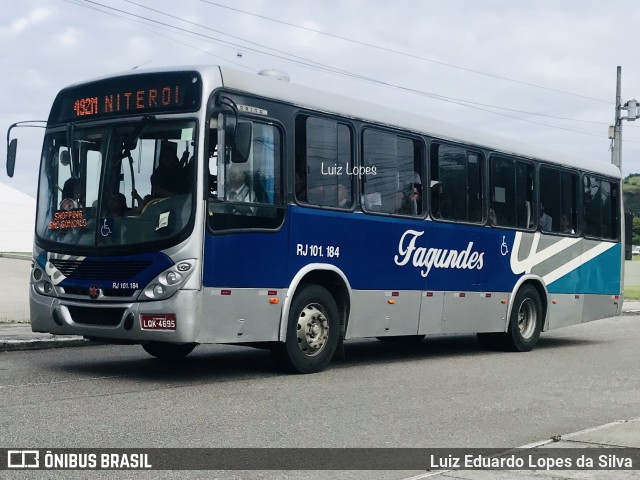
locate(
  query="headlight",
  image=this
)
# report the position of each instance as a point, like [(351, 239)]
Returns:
[(173, 278), (41, 278), (169, 281), (158, 290), (37, 274)]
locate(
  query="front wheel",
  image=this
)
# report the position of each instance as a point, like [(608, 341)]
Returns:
[(313, 330), (168, 351)]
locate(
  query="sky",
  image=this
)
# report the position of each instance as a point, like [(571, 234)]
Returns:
[(542, 72)]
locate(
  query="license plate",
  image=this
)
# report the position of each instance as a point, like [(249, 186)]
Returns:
[(158, 322)]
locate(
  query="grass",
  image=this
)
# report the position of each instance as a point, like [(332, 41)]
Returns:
[(631, 293)]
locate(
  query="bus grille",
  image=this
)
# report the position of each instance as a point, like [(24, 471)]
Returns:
[(88, 270), (96, 316), (107, 292)]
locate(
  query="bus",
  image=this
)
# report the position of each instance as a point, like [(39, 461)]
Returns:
[(203, 205)]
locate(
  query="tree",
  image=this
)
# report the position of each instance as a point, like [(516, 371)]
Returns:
[(631, 192)]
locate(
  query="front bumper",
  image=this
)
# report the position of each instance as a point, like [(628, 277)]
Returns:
[(115, 321)]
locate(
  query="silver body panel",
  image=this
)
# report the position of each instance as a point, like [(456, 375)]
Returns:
[(242, 315)]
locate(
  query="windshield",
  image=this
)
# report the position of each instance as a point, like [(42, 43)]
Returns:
[(117, 186)]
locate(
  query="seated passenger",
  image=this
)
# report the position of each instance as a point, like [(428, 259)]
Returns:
[(493, 218), (436, 197), (70, 194), (546, 222), (117, 206), (142, 202), (565, 226), (344, 196), (170, 178), (412, 200), (239, 191)]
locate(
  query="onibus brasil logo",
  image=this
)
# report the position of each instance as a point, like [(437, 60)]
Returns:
[(427, 258)]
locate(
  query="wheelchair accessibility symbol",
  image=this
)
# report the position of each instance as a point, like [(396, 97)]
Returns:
[(504, 249), (107, 227)]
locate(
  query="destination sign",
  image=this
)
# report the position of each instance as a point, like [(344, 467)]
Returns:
[(129, 95)]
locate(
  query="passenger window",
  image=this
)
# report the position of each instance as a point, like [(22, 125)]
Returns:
[(601, 209), (511, 193), (250, 194), (392, 180), (324, 163), (456, 183), (558, 201)]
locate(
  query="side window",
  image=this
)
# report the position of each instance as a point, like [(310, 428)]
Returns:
[(511, 193), (264, 164), (250, 193), (558, 201), (324, 163), (456, 183), (392, 181), (94, 167), (601, 201)]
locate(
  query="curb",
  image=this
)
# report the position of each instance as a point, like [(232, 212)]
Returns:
[(41, 344)]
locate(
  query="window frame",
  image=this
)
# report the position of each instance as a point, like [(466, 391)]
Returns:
[(422, 155), (617, 184), (578, 200), (282, 131), (483, 176), (300, 138), (534, 202)]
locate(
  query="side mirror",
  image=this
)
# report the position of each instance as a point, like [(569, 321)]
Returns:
[(12, 145), (11, 157), (65, 158), (242, 142)]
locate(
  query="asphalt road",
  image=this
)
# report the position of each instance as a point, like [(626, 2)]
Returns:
[(444, 392)]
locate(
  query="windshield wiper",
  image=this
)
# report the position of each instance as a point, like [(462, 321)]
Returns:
[(132, 140), (129, 144)]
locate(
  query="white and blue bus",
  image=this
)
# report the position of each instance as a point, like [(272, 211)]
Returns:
[(204, 205)]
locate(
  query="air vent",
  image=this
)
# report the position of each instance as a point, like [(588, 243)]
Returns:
[(108, 317), (92, 270)]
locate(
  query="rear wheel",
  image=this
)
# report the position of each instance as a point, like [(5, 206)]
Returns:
[(312, 331), (525, 324), (168, 351)]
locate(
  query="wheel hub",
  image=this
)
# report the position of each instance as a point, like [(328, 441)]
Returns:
[(527, 318), (313, 329)]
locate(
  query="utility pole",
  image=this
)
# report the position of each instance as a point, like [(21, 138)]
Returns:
[(616, 151), (615, 131)]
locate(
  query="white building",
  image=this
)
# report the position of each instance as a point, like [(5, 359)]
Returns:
[(17, 220)]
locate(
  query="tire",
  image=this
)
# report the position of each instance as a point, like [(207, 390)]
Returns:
[(313, 330), (168, 351), (525, 324)]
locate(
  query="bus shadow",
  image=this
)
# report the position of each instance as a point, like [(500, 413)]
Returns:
[(215, 363), (451, 346), (205, 363)]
